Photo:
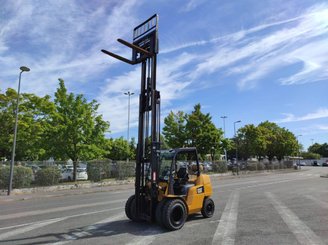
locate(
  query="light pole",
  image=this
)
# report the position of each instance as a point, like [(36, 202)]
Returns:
[(234, 130), (298, 151), (312, 141), (128, 136), (225, 150), (22, 68)]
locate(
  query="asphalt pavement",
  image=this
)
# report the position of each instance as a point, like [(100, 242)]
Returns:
[(272, 208)]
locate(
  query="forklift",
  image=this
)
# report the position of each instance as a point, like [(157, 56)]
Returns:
[(169, 184)]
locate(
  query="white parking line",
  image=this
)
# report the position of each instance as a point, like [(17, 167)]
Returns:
[(66, 217), (87, 231), (53, 210), (226, 230), (302, 232), (29, 228)]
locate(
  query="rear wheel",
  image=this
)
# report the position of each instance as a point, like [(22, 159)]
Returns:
[(208, 208), (130, 208), (174, 214)]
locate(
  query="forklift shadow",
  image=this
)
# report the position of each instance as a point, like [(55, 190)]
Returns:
[(119, 227), (195, 217)]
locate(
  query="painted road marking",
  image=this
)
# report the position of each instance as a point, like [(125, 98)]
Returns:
[(66, 217), (302, 232), (8, 234), (59, 209), (89, 230), (226, 230)]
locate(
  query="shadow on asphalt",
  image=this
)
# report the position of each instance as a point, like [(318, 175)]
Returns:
[(142, 229)]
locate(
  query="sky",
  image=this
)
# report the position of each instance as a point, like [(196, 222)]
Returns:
[(248, 60)]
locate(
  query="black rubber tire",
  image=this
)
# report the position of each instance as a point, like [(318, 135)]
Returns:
[(208, 208), (159, 212), (174, 214), (130, 208)]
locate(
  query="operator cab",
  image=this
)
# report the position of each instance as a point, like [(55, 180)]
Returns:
[(178, 170)]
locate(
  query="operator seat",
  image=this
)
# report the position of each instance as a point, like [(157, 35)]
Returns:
[(180, 185)]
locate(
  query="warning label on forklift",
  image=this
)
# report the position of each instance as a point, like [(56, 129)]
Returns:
[(200, 190)]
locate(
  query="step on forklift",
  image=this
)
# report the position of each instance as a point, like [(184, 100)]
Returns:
[(169, 184)]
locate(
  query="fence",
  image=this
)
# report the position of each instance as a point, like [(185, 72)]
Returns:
[(31, 172)]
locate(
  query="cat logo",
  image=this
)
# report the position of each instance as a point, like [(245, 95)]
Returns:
[(200, 190)]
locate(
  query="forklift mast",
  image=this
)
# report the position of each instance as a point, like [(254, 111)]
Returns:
[(144, 50)]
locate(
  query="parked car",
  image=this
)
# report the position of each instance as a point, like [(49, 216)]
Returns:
[(81, 174), (325, 164), (207, 166), (315, 163), (302, 164)]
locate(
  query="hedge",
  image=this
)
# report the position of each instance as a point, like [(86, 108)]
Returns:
[(48, 176), (22, 177), (219, 167), (105, 169)]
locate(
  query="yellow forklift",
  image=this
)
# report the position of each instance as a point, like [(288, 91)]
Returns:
[(169, 184)]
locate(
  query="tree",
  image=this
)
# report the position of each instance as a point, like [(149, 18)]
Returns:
[(76, 130), (321, 149), (32, 122), (174, 130), (267, 139), (202, 133), (250, 142), (310, 155), (119, 149)]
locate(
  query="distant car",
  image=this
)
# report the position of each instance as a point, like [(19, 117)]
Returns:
[(325, 164), (315, 163), (302, 164), (207, 166), (81, 174)]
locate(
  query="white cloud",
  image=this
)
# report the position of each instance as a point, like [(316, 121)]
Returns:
[(191, 5), (320, 113), (256, 52), (171, 82), (64, 43)]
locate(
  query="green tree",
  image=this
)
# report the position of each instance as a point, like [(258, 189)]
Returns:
[(119, 149), (321, 149), (76, 130), (33, 115), (310, 155), (174, 130), (202, 133), (250, 142)]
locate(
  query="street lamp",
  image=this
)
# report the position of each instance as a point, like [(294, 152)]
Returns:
[(312, 141), (298, 152), (234, 130), (22, 68), (128, 136), (225, 150)]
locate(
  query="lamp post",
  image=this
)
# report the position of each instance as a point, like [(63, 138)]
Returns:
[(128, 136), (234, 130), (22, 68), (225, 150), (298, 151), (312, 141)]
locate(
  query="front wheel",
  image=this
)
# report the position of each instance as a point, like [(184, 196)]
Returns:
[(130, 208), (174, 214), (208, 208)]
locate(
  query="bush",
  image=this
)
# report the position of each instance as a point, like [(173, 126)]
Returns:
[(48, 176), (220, 167), (22, 177), (125, 169), (99, 170)]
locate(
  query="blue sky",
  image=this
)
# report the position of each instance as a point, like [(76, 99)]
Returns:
[(248, 60)]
